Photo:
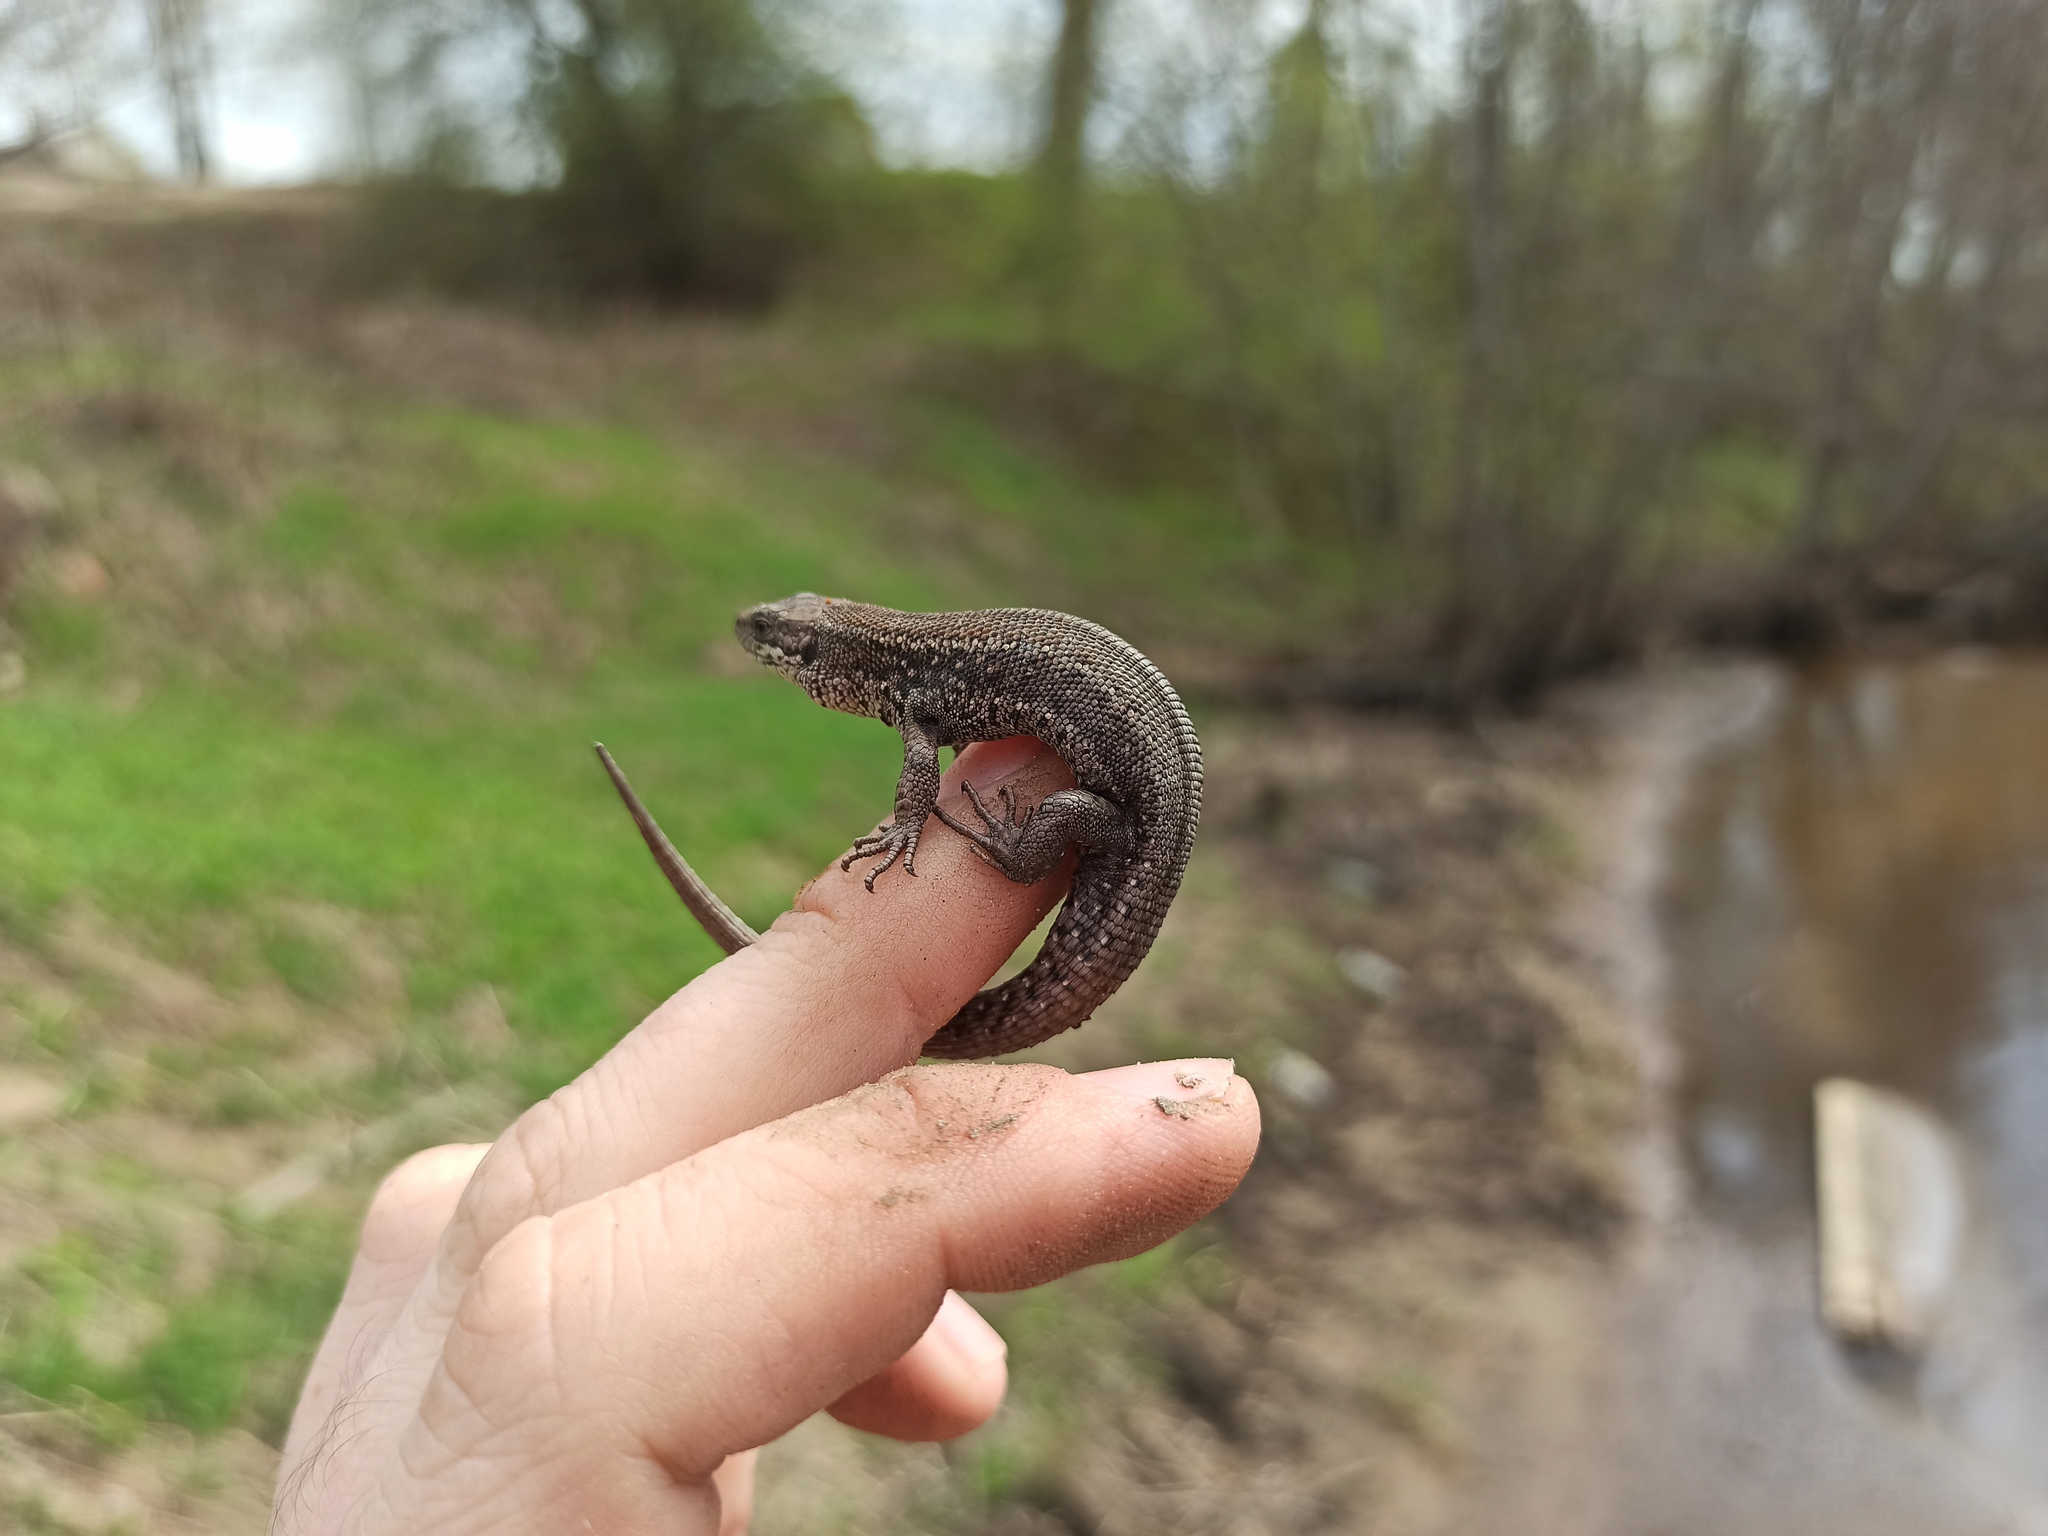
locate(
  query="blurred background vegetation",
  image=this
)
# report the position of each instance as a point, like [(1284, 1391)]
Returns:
[(1556, 329), (1335, 351), (1615, 324)]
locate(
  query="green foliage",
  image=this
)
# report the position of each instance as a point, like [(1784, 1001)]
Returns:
[(230, 1354), (309, 527), (1540, 358), (311, 967), (690, 150), (1746, 496), (1509, 356), (234, 1353), (693, 158), (40, 1348), (463, 797)]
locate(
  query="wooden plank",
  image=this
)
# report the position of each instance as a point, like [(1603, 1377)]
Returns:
[(1891, 1214)]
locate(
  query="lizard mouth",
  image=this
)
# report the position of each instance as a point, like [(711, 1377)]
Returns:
[(763, 638), (785, 662)]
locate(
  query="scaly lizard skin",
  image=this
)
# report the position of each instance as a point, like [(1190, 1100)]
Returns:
[(948, 679)]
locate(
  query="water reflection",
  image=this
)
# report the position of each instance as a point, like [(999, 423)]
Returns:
[(1864, 893)]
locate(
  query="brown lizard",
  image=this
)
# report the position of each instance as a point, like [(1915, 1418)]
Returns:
[(948, 679)]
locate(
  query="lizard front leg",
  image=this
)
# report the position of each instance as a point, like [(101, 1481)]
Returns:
[(917, 796), (1029, 847)]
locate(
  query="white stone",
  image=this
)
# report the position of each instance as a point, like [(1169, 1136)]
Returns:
[(1302, 1078), (1372, 973)]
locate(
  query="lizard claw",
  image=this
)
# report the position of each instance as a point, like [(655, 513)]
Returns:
[(973, 799), (1010, 821), (997, 844), (893, 842)]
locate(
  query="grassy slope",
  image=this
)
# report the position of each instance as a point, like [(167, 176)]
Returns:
[(349, 659), (420, 748)]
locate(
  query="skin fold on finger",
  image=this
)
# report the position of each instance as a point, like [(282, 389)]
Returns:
[(407, 1215), (712, 1306), (947, 1383)]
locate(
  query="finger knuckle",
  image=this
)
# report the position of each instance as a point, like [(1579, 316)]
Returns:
[(523, 1176), (503, 1335), (422, 1177), (510, 1297)]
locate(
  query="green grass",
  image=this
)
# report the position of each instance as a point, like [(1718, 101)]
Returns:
[(229, 1354), (377, 693), (472, 602), (422, 756), (505, 844)]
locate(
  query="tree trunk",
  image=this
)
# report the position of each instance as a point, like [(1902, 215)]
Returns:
[(1070, 93), (1473, 612), (184, 67), (1885, 139)]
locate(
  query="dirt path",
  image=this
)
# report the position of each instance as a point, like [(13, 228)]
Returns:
[(1435, 953), (1688, 1392), (1690, 1388)]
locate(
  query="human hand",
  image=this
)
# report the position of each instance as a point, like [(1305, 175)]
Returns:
[(718, 1230)]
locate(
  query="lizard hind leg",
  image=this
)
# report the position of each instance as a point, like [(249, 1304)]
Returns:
[(1027, 847)]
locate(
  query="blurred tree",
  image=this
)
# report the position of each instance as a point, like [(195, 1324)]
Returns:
[(1053, 249), (1971, 224), (691, 146), (183, 58), (1868, 128), (679, 149), (58, 61), (1634, 290), (1069, 98)]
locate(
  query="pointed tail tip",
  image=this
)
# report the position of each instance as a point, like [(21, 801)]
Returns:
[(718, 920)]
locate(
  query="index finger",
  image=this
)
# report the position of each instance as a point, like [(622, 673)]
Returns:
[(845, 987)]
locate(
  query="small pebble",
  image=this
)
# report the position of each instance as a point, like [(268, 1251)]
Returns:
[(1372, 973), (1303, 1079)]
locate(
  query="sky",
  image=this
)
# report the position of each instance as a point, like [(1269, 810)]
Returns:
[(943, 82)]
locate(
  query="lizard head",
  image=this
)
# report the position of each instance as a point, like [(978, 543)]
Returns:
[(785, 635)]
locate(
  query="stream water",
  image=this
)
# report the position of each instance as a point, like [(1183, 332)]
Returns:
[(1859, 890)]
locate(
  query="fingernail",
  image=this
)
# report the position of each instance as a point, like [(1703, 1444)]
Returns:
[(1177, 1082), (967, 1335)]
